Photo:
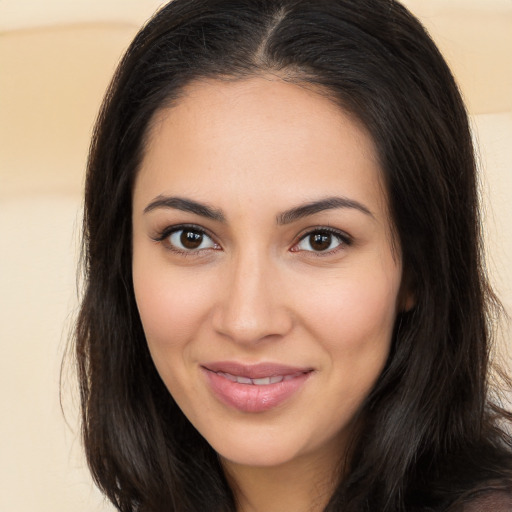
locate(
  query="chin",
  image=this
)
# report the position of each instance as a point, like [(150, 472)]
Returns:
[(256, 458), (255, 454)]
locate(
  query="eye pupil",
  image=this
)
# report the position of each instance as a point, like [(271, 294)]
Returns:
[(191, 239), (320, 241)]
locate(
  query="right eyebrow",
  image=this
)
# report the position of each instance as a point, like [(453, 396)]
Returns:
[(186, 205)]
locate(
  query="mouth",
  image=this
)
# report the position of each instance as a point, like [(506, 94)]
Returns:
[(254, 388), (232, 369), (263, 381)]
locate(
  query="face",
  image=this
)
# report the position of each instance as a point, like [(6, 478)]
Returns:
[(263, 267)]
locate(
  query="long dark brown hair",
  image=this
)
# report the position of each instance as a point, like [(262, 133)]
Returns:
[(430, 437)]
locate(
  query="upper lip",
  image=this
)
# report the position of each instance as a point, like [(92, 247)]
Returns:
[(254, 371)]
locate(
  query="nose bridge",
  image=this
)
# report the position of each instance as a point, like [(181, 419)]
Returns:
[(251, 306)]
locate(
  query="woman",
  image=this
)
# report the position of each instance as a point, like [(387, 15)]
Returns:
[(285, 306)]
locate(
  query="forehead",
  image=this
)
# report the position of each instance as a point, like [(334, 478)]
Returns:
[(259, 137)]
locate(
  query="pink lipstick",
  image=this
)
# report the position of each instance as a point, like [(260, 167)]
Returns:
[(254, 388)]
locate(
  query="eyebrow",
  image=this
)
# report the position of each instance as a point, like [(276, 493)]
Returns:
[(286, 217), (186, 205), (329, 203)]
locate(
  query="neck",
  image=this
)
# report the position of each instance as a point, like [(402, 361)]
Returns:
[(301, 485)]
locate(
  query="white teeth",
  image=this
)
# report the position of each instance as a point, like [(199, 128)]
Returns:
[(261, 382), (265, 381), (228, 376), (292, 376)]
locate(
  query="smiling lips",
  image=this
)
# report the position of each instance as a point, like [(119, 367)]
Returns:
[(255, 388)]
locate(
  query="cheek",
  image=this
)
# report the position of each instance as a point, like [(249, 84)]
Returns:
[(354, 309), (172, 312), (354, 325), (353, 319), (170, 307)]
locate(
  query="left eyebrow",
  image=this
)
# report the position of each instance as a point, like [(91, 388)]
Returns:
[(329, 203)]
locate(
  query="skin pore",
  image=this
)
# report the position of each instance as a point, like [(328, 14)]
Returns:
[(261, 236)]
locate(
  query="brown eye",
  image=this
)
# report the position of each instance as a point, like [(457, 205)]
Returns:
[(190, 239), (321, 241)]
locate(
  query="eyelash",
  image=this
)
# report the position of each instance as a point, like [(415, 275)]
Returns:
[(163, 237), (343, 238)]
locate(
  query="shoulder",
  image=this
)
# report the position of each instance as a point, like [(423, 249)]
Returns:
[(489, 501)]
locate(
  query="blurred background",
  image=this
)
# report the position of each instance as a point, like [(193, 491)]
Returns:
[(56, 59)]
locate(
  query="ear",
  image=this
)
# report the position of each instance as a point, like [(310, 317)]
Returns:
[(407, 293), (408, 302)]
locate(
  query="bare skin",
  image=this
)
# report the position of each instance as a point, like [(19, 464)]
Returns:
[(261, 489)]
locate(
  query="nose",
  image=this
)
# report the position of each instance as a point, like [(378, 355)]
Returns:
[(252, 305)]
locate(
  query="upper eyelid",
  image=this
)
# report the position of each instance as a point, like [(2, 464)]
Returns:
[(169, 230), (329, 229)]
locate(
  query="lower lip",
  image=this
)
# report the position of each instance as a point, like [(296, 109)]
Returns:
[(251, 397)]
